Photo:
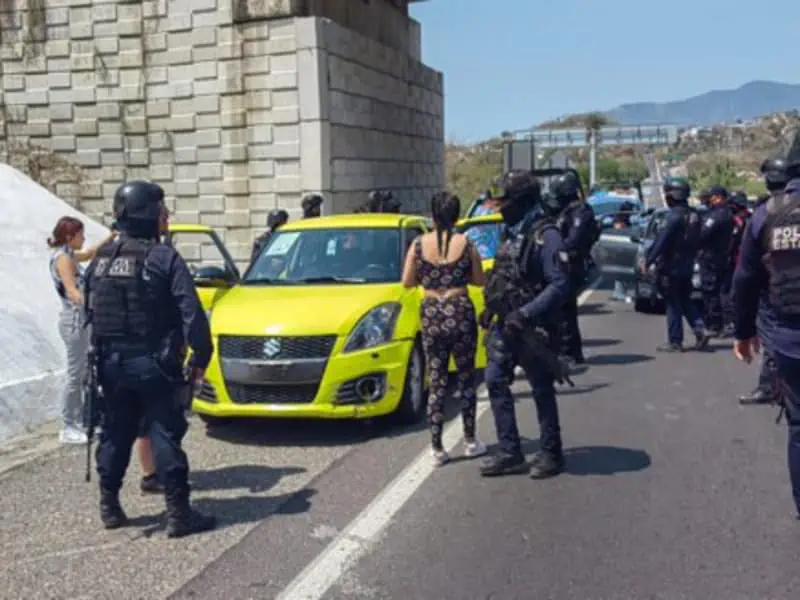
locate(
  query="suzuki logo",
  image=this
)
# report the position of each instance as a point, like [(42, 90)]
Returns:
[(272, 347)]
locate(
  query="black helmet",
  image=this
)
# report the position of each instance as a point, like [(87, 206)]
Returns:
[(551, 204), (276, 218), (311, 202), (566, 187), (520, 192), (138, 201), (677, 189), (738, 200), (775, 173)]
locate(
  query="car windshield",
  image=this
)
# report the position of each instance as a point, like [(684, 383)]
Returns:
[(486, 238), (321, 256)]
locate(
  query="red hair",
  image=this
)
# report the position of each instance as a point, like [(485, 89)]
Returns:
[(66, 229)]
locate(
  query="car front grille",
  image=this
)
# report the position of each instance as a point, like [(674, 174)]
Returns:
[(253, 347), (272, 394)]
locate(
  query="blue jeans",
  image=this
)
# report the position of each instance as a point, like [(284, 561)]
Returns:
[(788, 371), (139, 398), (499, 375)]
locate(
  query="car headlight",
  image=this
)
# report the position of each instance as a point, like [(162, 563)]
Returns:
[(374, 328)]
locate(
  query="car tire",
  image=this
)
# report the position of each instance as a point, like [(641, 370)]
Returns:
[(414, 402), (642, 305)]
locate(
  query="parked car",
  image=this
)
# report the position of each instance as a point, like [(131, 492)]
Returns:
[(646, 296)]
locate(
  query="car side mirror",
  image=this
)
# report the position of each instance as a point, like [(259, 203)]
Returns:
[(635, 238), (214, 276)]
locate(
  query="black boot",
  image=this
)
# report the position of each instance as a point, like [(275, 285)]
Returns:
[(547, 464), (111, 512), (151, 485), (702, 338), (183, 520), (504, 464), (757, 396)]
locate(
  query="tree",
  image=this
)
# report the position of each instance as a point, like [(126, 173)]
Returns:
[(610, 170), (715, 171)]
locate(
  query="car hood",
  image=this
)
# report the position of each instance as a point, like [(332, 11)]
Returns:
[(299, 310)]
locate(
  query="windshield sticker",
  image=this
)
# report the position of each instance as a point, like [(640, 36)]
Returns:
[(331, 249), (282, 244)]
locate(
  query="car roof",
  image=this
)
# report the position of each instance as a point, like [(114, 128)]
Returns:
[(355, 221), (492, 218), (189, 228)]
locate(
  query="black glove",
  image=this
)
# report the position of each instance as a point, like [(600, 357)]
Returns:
[(485, 319), (514, 324)]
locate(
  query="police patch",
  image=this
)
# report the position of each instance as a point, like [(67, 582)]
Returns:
[(709, 222), (563, 257), (123, 266), (576, 222)]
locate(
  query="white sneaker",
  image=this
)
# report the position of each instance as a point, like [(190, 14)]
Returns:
[(474, 449), (440, 457), (483, 391), (72, 435)]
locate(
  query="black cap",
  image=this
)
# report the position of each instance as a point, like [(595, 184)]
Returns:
[(718, 190), (311, 201)]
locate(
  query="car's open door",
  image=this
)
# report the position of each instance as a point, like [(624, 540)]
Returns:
[(213, 270)]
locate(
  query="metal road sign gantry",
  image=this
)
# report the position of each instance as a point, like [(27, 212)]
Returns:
[(520, 148)]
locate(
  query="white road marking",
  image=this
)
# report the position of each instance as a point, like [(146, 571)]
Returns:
[(363, 532)]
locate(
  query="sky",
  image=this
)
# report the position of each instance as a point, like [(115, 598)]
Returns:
[(510, 64)]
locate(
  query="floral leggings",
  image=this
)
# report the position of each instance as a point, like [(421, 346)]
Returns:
[(449, 327)]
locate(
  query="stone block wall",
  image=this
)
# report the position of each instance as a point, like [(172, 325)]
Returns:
[(232, 112)]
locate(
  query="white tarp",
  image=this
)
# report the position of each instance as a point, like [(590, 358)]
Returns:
[(31, 351)]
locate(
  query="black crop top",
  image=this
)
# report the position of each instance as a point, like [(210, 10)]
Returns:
[(456, 274)]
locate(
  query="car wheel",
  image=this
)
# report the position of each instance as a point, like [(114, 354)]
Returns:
[(642, 305), (414, 401)]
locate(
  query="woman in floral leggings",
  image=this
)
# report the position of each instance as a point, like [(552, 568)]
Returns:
[(444, 263)]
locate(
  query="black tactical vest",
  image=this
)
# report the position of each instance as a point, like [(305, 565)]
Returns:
[(781, 239), (120, 301), (509, 285)]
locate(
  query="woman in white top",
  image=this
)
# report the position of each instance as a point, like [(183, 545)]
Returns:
[(67, 244)]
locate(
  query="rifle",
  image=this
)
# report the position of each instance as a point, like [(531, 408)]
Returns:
[(532, 348), (93, 398)]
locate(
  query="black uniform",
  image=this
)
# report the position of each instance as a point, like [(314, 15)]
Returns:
[(144, 311), (714, 258), (767, 297), (577, 225), (525, 291), (312, 206), (672, 256), (275, 219), (766, 391)]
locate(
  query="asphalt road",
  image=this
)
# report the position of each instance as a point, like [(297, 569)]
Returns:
[(672, 491)]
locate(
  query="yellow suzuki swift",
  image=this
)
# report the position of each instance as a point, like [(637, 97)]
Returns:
[(320, 326)]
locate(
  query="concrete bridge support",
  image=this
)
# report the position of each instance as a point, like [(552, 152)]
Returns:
[(234, 106)]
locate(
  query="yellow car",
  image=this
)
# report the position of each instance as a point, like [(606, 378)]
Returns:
[(320, 325)]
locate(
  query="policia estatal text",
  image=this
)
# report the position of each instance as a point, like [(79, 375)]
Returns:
[(144, 312)]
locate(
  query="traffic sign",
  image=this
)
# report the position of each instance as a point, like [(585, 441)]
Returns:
[(644, 135)]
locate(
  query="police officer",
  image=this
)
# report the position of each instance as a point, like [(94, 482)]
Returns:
[(577, 227), (312, 206), (531, 267), (740, 212), (775, 178), (768, 277), (275, 218), (672, 256), (144, 311), (714, 257), (382, 201)]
